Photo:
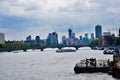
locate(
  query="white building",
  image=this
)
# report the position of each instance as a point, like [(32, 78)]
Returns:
[(106, 33), (2, 38)]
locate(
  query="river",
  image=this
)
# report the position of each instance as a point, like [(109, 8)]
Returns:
[(48, 65)]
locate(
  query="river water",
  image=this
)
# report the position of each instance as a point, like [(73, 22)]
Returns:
[(48, 65)]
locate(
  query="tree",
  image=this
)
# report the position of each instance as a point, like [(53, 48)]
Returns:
[(95, 42), (1, 46), (118, 41)]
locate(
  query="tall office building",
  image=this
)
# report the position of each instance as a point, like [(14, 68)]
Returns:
[(63, 40), (70, 33), (52, 39), (37, 39), (86, 35), (81, 38), (28, 38), (2, 38), (92, 36), (98, 31), (73, 35)]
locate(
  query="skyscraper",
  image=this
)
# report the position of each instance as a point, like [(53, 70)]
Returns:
[(52, 39), (70, 33), (2, 38), (37, 39), (28, 38), (86, 35), (98, 31), (92, 36)]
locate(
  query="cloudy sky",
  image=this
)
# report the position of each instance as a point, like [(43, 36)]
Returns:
[(20, 18)]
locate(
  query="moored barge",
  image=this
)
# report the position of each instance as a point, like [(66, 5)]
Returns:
[(92, 66)]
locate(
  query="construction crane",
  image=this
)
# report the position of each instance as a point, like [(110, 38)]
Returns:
[(53, 28)]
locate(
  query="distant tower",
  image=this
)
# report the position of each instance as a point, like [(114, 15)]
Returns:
[(2, 38), (28, 38), (52, 39), (73, 35), (98, 31), (55, 38), (92, 36), (81, 38), (63, 40), (70, 33), (37, 39), (86, 35)]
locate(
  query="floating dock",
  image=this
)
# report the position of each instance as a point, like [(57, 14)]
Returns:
[(92, 66), (116, 66)]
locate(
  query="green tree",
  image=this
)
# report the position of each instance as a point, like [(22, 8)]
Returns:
[(118, 41), (95, 42), (1, 46)]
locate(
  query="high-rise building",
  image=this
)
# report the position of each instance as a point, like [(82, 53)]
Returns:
[(81, 38), (73, 35), (55, 38), (52, 39), (86, 35), (107, 39), (92, 36), (28, 38), (37, 39), (2, 38), (98, 31), (63, 40), (70, 33)]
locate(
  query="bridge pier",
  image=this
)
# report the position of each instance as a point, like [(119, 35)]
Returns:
[(76, 48), (42, 49), (24, 50)]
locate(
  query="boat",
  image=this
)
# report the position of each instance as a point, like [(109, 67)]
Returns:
[(65, 50), (92, 66), (109, 50)]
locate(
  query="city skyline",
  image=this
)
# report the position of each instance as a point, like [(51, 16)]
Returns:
[(21, 18)]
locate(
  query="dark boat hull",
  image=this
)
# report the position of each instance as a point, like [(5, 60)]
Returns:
[(91, 69)]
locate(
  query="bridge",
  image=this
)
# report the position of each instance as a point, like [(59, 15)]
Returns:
[(42, 47)]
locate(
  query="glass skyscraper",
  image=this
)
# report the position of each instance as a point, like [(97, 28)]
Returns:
[(98, 31)]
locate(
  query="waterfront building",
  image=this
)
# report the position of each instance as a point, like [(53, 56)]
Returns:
[(107, 39), (2, 38), (98, 31), (106, 33)]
